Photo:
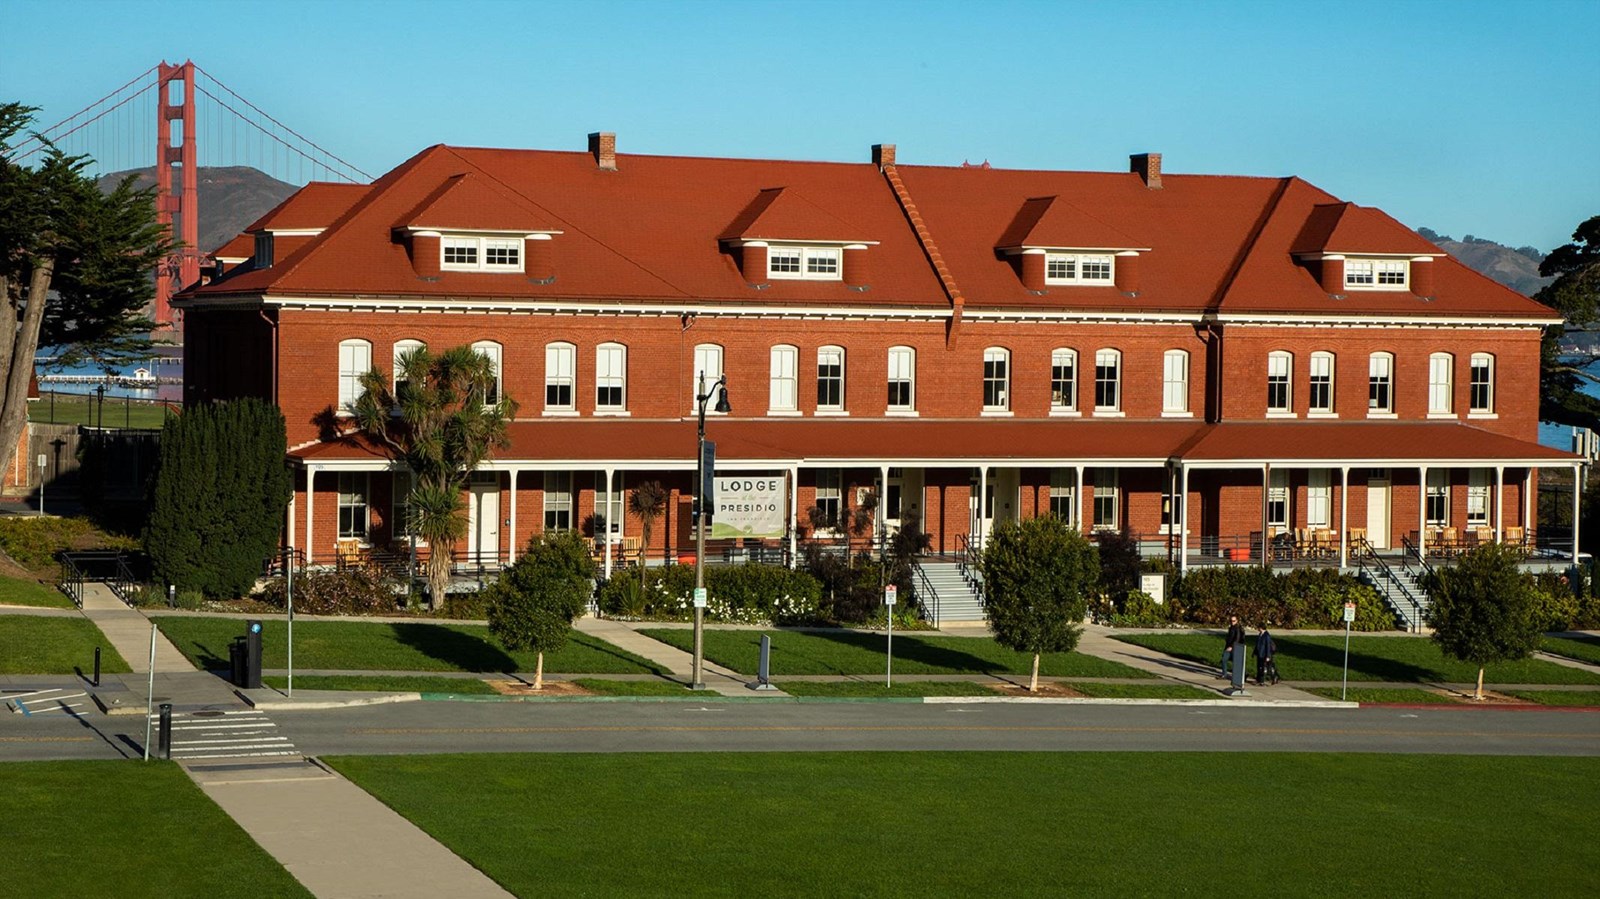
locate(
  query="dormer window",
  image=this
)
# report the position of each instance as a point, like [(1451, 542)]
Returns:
[(480, 254), (1376, 274), (812, 263), (1077, 268), (263, 250)]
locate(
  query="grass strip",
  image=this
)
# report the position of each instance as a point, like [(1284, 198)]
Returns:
[(1584, 649), (869, 689), (1578, 698), (382, 683), (1393, 659), (1387, 695), (863, 823), (30, 644), (115, 828), (1141, 691), (862, 652), (19, 592), (405, 646), (603, 687)]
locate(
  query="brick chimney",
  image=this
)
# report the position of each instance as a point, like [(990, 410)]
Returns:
[(1148, 167), (883, 155), (603, 147)]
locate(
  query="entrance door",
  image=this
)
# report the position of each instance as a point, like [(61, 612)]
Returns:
[(1378, 512), (483, 528)]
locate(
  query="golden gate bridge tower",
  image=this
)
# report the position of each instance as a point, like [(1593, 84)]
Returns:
[(184, 267)]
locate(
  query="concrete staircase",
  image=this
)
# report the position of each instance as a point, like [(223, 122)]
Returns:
[(1398, 586), (956, 600)]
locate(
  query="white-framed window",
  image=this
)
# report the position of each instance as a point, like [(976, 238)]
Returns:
[(491, 351), (1278, 500), (902, 378), (808, 263), (560, 377), (465, 253), (1380, 384), (1175, 381), (401, 348), (830, 379), (1063, 380), (1376, 274), (784, 394), (1438, 500), (1480, 395), (1441, 384), (558, 500), (1107, 380), (610, 377), (1105, 499), (400, 525), (1319, 499), (829, 495), (1077, 268), (353, 509), (355, 360), (707, 362), (1280, 366), (1478, 497), (1320, 393), (996, 379), (1064, 494)]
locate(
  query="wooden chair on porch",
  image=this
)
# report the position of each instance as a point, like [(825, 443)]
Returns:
[(347, 552), (1514, 535)]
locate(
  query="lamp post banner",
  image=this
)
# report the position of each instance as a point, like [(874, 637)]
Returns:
[(750, 507)]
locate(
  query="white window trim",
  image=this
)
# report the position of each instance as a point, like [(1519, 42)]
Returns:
[(1476, 413), (719, 353), (1078, 259), (1287, 409), (561, 347), (1333, 382), (1168, 410), (1377, 263), (350, 379), (839, 407), (1448, 409), (1389, 411), (1114, 410), (339, 505), (791, 375), (807, 254), (909, 409), (1003, 407), (481, 244), (1070, 407), (612, 409), (496, 353)]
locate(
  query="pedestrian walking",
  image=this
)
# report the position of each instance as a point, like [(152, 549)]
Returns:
[(1235, 639), (1266, 649)]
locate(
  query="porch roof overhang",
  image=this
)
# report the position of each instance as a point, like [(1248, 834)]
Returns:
[(1364, 444)]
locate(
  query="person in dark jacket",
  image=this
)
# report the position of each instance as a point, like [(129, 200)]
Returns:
[(1266, 648), (1235, 638)]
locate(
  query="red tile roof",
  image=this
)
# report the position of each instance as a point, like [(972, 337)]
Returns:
[(242, 246), (1348, 228), (316, 205), (1357, 442), (1055, 223), (778, 213), (467, 202)]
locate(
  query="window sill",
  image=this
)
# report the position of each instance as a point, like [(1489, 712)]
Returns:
[(344, 413), (1322, 415), (1176, 414), (785, 413), (1482, 416), (996, 413), (1390, 415), (1283, 414), (560, 413), (903, 413), (1065, 413), (611, 413), (1109, 413), (1439, 415), (831, 413)]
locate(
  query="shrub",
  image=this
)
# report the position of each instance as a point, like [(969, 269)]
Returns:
[(472, 606), (1139, 609), (624, 596), (190, 600), (147, 596), (1303, 598), (352, 591), (850, 590), (33, 542), (737, 594), (1556, 603)]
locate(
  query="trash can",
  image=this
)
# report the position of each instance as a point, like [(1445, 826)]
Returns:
[(236, 661)]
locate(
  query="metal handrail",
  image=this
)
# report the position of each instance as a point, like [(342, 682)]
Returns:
[(1413, 554), (1368, 560), (72, 579), (924, 587)]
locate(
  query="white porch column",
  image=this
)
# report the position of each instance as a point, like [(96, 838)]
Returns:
[(1499, 502), (1344, 516), (983, 502), (1577, 502), (512, 555), (794, 515), (311, 496), (1077, 503), (1266, 504), (1422, 511), (1183, 522), (1527, 503), (606, 536)]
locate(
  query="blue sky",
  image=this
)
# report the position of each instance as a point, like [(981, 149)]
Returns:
[(1467, 117)]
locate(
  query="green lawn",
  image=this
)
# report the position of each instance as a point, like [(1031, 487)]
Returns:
[(1584, 649), (69, 410), (31, 644), (1580, 698), (125, 829), (19, 592), (878, 690), (1142, 691), (860, 652), (376, 646), (633, 687), (1397, 659), (1029, 824), (383, 684), (1380, 695)]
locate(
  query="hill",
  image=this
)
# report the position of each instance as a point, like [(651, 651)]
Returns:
[(231, 197), (1516, 268)]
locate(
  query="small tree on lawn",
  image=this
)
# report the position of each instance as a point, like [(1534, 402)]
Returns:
[(533, 604), (647, 502), (1037, 575), (1482, 609)]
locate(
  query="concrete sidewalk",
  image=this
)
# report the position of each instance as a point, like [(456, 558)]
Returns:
[(334, 837), (1098, 641), (680, 664), (128, 631)]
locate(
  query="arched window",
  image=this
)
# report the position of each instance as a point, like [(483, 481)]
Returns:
[(1441, 384), (1380, 385), (783, 394), (491, 351), (610, 377), (996, 379), (1107, 381), (830, 379), (401, 348), (707, 364), (1280, 365), (1063, 380), (1320, 399), (1175, 382), (560, 376), (902, 379), (355, 360), (1481, 395)]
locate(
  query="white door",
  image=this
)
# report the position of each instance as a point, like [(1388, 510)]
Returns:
[(483, 529), (1378, 512)]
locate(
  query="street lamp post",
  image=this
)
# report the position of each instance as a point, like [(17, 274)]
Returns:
[(702, 396)]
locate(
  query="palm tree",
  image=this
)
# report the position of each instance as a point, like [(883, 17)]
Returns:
[(438, 423), (647, 501)]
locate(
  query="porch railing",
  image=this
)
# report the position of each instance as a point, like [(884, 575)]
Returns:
[(1394, 587), (925, 592)]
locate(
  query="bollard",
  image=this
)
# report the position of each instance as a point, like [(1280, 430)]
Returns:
[(1240, 657), (97, 666), (764, 672), (165, 750)]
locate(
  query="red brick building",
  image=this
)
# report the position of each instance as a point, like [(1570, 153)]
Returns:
[(1205, 362)]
